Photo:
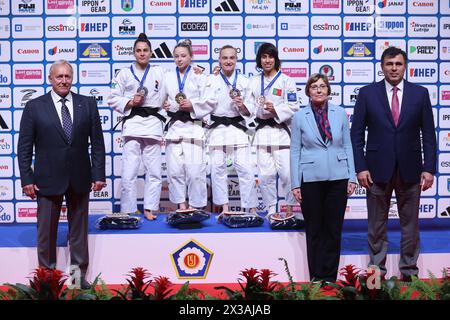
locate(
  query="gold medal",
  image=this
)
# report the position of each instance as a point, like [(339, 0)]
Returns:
[(180, 97)]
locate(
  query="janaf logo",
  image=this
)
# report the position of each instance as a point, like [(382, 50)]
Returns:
[(127, 5)]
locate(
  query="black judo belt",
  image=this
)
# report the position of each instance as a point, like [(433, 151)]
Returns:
[(271, 123), (227, 121), (143, 112), (183, 116)]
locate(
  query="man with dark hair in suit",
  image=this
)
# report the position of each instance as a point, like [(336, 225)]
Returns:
[(61, 126), (397, 114)]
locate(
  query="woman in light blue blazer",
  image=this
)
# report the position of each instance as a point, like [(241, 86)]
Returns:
[(322, 175)]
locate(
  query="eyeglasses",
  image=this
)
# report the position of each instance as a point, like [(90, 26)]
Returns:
[(315, 88)]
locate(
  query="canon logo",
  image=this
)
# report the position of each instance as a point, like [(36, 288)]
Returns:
[(293, 50), (28, 51), (160, 3)]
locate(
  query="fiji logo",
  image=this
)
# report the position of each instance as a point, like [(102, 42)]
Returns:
[(192, 260)]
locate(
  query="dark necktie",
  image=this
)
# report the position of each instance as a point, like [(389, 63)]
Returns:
[(66, 119), (395, 106)]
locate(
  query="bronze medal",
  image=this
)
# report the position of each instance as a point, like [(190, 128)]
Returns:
[(180, 97), (235, 93)]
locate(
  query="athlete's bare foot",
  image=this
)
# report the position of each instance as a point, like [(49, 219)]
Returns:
[(149, 215)]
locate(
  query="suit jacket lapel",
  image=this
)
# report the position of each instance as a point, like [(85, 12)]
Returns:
[(404, 106), (313, 124), (385, 102), (333, 121), (53, 115), (77, 108)]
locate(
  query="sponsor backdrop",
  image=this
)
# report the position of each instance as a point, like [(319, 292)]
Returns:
[(343, 39)]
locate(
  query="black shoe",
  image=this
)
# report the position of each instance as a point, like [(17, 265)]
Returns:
[(406, 278), (84, 284)]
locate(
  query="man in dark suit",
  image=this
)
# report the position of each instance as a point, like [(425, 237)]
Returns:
[(396, 113), (61, 126)]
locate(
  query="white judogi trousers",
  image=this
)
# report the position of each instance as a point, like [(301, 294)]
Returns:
[(272, 160), (186, 167), (149, 151), (243, 164)]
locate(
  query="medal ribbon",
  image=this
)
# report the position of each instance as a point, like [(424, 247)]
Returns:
[(270, 84), (181, 83), (228, 82), (141, 82)]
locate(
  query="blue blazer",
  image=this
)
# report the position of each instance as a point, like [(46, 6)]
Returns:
[(59, 162), (388, 145), (314, 160)]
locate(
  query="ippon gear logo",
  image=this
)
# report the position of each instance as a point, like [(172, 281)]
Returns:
[(194, 26)]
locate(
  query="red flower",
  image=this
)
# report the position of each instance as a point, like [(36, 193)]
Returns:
[(161, 286), (265, 276), (350, 272), (48, 283), (138, 278)]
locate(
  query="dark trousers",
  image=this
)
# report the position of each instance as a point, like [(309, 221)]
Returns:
[(323, 207), (378, 205), (49, 208)]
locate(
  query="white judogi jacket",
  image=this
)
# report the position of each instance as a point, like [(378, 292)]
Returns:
[(202, 102), (225, 107), (283, 95), (123, 88)]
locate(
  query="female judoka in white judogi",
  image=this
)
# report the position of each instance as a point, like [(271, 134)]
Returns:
[(185, 139), (227, 134), (276, 102), (136, 92)]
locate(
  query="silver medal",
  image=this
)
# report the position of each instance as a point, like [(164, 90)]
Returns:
[(261, 100), (142, 91)]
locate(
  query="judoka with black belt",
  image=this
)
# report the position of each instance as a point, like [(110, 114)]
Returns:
[(136, 92), (275, 96), (227, 135)]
